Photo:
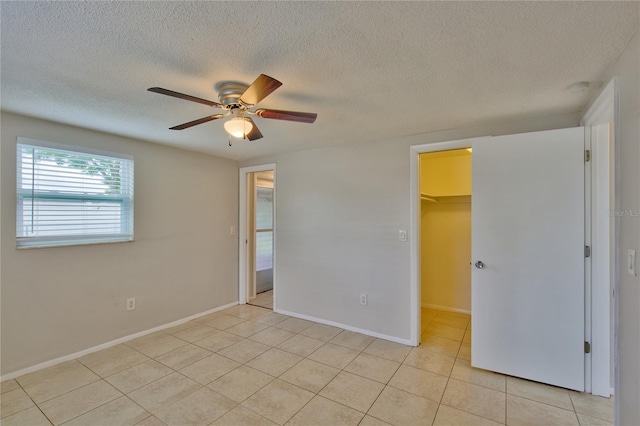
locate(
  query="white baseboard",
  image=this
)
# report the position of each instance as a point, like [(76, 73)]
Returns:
[(446, 308), (106, 345), (346, 327)]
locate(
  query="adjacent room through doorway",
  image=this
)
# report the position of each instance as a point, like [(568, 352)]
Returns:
[(260, 241)]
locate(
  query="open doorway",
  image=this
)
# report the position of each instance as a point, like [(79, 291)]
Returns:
[(257, 236), (445, 246), (261, 283)]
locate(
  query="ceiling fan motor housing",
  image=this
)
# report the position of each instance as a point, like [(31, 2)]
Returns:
[(229, 93)]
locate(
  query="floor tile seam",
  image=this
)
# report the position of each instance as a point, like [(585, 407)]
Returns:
[(286, 382), (66, 392), (278, 376), (328, 399), (202, 347), (594, 415), (298, 334), (476, 414), (477, 384), (447, 325), (101, 405), (251, 408), (235, 360), (186, 365), (424, 369), (421, 396), (301, 408), (435, 416), (173, 370), (144, 409), (482, 386), (389, 359), (544, 403), (166, 352), (390, 377), (506, 408), (374, 403), (322, 340), (200, 387), (340, 370), (45, 416), (587, 414), (239, 403), (479, 415), (428, 349), (348, 347), (148, 358), (94, 408), (202, 325), (28, 396), (446, 338), (442, 337)]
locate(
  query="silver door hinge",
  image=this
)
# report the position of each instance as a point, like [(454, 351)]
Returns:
[(587, 347), (587, 251), (587, 155)]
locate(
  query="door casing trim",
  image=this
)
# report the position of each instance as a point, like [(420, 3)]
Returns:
[(244, 172)]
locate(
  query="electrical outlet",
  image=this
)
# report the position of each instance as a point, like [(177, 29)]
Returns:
[(131, 304), (363, 299)]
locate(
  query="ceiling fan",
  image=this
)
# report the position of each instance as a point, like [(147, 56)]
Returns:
[(237, 99)]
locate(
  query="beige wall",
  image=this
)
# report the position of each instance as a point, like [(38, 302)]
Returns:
[(627, 69), (445, 177), (446, 253), (445, 173), (57, 301)]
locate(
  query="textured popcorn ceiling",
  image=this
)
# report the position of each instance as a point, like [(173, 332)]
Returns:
[(371, 70)]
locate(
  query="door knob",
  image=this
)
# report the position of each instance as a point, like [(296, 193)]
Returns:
[(480, 265)]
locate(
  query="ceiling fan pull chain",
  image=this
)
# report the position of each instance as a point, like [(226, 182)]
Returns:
[(229, 141)]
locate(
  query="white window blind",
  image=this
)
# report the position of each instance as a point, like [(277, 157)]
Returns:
[(67, 197)]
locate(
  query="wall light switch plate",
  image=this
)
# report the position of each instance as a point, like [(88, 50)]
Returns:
[(631, 262), (403, 235)]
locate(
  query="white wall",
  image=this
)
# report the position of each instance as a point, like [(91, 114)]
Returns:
[(57, 301), (339, 213), (627, 68)]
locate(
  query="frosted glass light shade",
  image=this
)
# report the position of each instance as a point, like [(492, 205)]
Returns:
[(238, 127)]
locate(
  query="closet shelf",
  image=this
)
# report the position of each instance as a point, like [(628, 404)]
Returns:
[(445, 198)]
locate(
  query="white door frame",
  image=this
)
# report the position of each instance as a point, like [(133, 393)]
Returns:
[(243, 254), (605, 198), (415, 228)]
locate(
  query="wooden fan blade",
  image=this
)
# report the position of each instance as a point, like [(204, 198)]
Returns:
[(196, 122), (183, 96), (259, 89), (301, 117), (254, 133)]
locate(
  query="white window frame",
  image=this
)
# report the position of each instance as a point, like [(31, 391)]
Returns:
[(127, 201)]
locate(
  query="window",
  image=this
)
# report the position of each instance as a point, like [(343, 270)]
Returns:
[(67, 197)]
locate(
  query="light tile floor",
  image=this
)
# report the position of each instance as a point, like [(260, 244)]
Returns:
[(264, 299), (249, 366)]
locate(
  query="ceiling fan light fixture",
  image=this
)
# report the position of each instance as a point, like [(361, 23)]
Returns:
[(238, 127)]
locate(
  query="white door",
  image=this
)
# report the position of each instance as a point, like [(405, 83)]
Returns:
[(528, 233)]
